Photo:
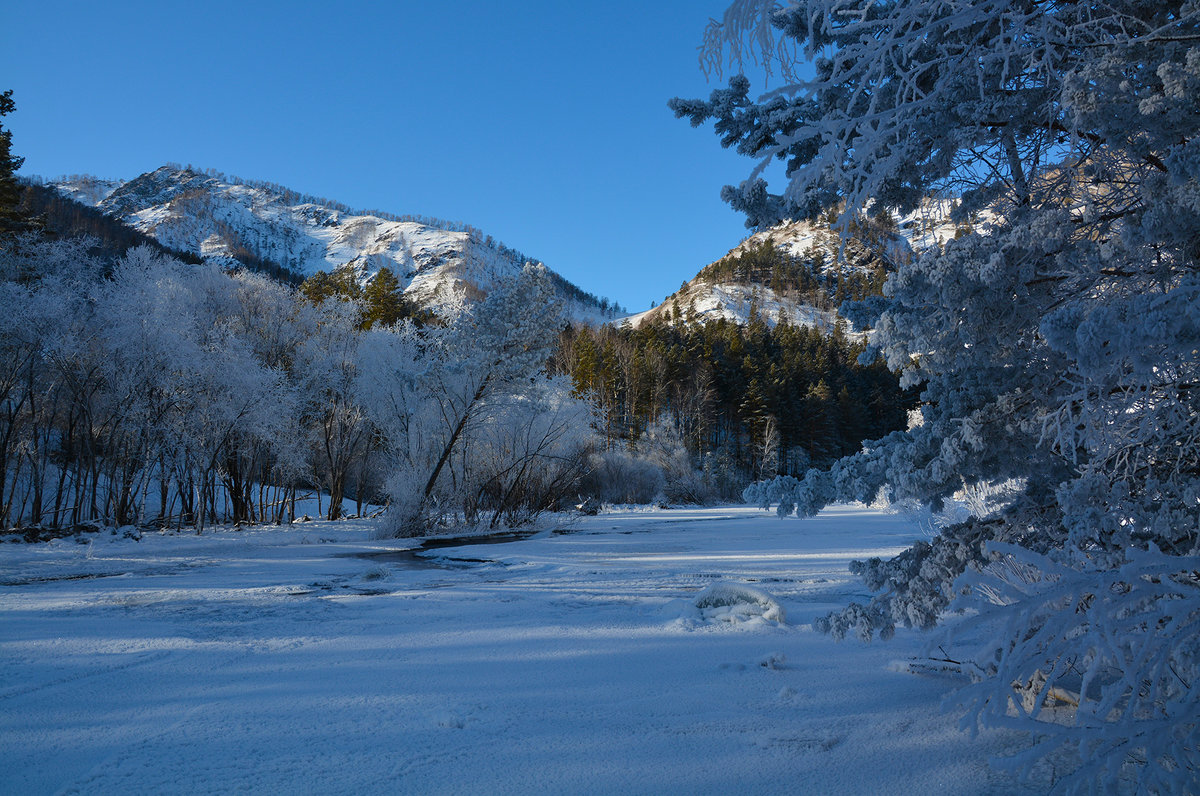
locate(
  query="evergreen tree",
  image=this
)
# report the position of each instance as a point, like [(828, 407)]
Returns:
[(1055, 349), (720, 382), (11, 218), (384, 300), (342, 285)]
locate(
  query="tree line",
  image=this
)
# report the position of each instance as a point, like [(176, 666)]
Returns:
[(144, 391), (774, 399)]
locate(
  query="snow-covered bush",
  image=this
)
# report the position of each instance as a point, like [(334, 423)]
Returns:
[(527, 455), (683, 481), (727, 601), (1055, 345), (658, 467), (621, 476), (714, 478)]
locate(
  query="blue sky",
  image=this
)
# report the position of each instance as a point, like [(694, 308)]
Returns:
[(543, 123)]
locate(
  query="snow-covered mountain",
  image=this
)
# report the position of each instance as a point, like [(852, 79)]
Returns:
[(798, 271), (802, 270), (86, 189), (265, 225)]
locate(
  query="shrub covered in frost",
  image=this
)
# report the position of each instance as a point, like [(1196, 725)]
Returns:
[(659, 467), (727, 601), (621, 476)]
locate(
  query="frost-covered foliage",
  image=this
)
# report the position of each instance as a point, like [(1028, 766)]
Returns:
[(469, 423), (727, 601), (1057, 347), (156, 391), (683, 480), (621, 475), (658, 468), (1102, 662), (151, 392)]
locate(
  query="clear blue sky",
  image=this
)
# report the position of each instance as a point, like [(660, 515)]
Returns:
[(543, 123)]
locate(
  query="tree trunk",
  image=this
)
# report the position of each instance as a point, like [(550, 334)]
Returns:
[(458, 429)]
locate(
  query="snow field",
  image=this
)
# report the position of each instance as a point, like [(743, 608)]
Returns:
[(274, 660)]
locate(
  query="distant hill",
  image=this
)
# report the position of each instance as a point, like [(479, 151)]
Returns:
[(801, 271), (275, 229)]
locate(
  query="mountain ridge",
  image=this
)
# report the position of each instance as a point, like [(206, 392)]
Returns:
[(239, 222), (797, 272)]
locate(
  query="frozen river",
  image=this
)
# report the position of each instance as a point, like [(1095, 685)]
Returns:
[(570, 661)]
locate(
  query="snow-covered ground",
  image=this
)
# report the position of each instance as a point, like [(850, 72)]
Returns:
[(272, 661)]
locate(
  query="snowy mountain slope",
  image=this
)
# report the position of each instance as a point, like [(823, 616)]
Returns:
[(85, 189), (809, 271), (225, 219), (931, 224), (798, 270), (737, 303)]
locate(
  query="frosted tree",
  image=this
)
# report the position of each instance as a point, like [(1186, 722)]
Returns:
[(390, 384), (144, 341), (1056, 345), (341, 431), (184, 378), (277, 327), (139, 390), (43, 287), (438, 386), (527, 450)]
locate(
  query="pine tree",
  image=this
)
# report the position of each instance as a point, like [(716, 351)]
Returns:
[(384, 300), (342, 285), (11, 218), (1055, 348)]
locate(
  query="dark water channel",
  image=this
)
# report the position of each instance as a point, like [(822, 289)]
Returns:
[(424, 555)]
